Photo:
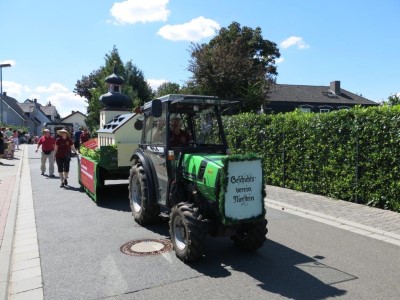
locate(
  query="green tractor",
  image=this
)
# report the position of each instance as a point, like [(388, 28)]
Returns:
[(182, 170)]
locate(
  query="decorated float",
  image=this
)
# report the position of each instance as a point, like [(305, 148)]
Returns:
[(107, 157)]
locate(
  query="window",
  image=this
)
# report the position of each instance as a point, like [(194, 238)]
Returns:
[(155, 129), (324, 110), (206, 129), (305, 109)]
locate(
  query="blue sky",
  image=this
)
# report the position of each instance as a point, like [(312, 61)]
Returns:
[(52, 44)]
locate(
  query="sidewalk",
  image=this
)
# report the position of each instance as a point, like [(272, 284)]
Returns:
[(20, 271), (369, 221), (10, 171)]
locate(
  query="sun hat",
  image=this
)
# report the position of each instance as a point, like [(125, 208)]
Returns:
[(63, 131), (46, 130)]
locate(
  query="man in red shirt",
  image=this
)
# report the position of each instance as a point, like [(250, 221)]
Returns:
[(85, 136), (47, 142)]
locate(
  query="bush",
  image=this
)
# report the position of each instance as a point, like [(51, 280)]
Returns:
[(352, 155)]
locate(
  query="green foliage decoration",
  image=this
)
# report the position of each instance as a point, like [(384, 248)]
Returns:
[(352, 155), (93, 154)]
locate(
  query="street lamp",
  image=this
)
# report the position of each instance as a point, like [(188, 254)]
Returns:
[(1, 90)]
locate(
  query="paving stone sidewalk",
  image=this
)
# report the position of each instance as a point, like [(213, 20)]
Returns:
[(8, 173), (10, 170), (368, 216)]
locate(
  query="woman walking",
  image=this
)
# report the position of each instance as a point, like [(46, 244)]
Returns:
[(62, 153)]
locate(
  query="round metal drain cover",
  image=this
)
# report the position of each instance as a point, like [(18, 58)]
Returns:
[(146, 247)]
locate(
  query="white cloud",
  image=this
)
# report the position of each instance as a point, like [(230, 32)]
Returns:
[(155, 83), (192, 31), (294, 41), (279, 60), (9, 61), (134, 11), (61, 97), (52, 88), (66, 102), (15, 89)]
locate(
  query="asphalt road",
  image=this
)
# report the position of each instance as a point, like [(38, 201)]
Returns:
[(80, 242)]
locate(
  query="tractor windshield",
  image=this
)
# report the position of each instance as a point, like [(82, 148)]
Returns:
[(205, 128)]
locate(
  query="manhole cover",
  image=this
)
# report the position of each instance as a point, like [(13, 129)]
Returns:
[(146, 247)]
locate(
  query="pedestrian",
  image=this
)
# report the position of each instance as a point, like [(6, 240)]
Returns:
[(10, 148), (85, 136), (15, 137), (77, 136), (48, 143), (62, 153), (9, 133)]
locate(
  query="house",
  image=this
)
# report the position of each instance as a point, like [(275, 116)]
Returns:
[(51, 112), (35, 116), (11, 113), (77, 118), (307, 98)]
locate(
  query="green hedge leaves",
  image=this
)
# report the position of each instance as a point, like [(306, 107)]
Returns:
[(352, 155)]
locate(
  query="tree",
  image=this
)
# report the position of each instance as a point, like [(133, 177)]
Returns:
[(394, 99), (237, 63), (92, 86), (135, 79), (167, 88)]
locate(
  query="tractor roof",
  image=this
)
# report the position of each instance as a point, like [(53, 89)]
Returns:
[(192, 99)]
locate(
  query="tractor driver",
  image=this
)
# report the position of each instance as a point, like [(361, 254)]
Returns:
[(178, 137)]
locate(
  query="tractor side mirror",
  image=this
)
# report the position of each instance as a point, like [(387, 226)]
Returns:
[(156, 108), (138, 125)]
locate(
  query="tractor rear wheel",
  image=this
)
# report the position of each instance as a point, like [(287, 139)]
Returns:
[(251, 236), (187, 232), (144, 209)]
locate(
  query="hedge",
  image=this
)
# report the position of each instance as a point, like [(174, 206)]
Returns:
[(352, 155)]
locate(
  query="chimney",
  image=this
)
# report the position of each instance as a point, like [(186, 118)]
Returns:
[(5, 93), (335, 87)]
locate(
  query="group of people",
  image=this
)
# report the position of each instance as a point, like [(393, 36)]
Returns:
[(81, 136), (58, 150), (9, 142)]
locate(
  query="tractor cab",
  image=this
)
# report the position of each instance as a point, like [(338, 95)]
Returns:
[(175, 126)]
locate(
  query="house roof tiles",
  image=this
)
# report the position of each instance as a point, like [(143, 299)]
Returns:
[(315, 94)]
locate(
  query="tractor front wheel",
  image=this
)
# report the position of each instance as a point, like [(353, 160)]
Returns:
[(187, 232), (251, 236), (144, 209)]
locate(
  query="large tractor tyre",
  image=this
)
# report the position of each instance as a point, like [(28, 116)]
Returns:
[(251, 236), (187, 232), (144, 209)]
